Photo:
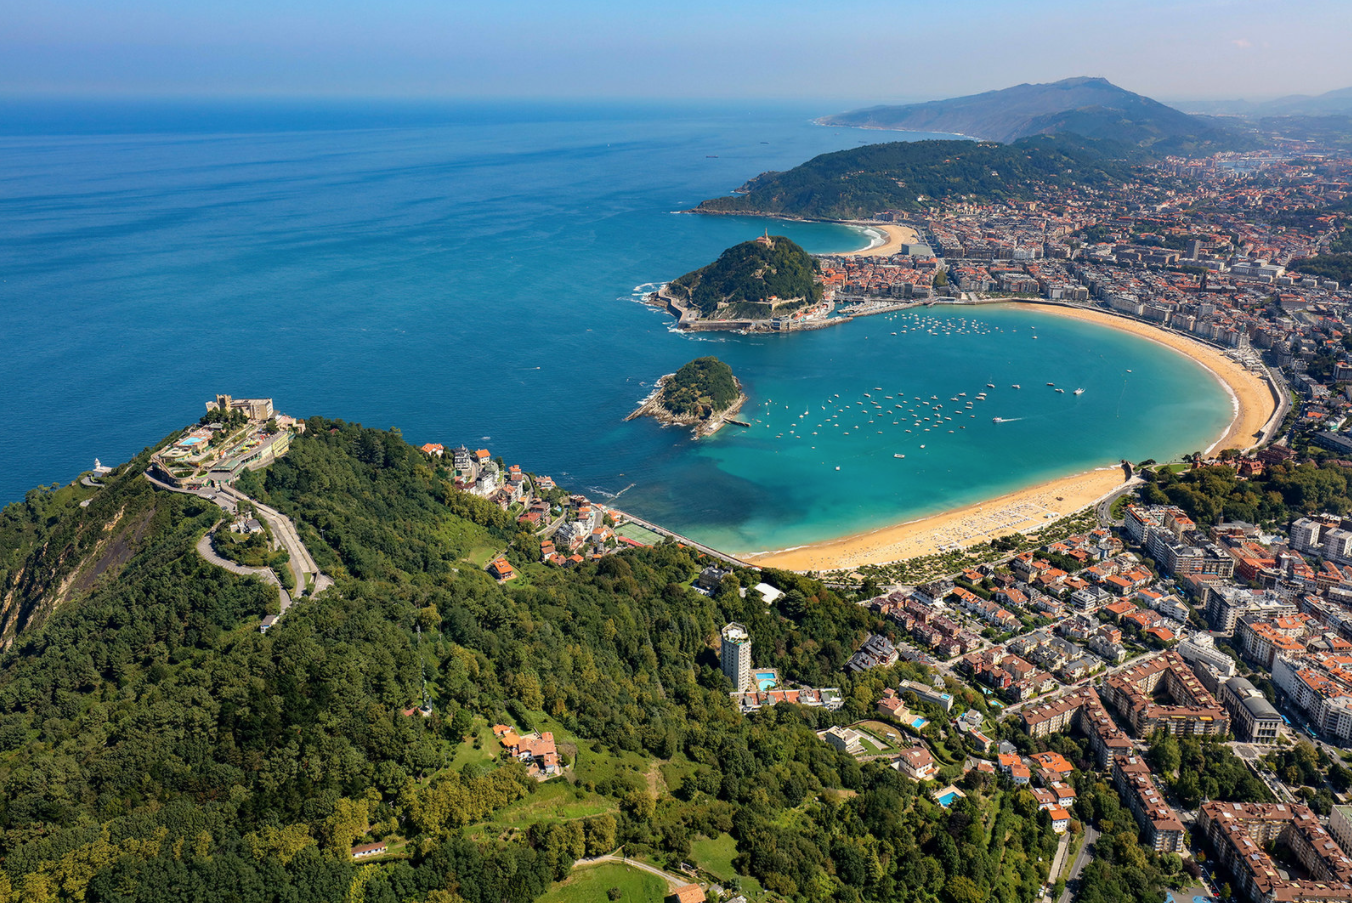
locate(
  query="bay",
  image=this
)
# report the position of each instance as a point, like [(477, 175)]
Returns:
[(467, 273)]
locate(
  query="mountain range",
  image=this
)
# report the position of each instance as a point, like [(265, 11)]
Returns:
[(1092, 108), (1330, 103)]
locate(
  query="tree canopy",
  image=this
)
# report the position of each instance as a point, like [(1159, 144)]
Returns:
[(754, 280)]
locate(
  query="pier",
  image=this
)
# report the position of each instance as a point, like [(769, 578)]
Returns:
[(685, 540)]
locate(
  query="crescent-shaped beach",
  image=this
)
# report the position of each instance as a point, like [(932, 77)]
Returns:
[(1253, 399)]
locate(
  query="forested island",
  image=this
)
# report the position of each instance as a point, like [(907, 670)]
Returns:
[(754, 281), (703, 394), (913, 175)]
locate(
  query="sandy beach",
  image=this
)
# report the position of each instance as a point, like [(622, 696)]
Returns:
[(894, 238), (1016, 512), (1027, 509)]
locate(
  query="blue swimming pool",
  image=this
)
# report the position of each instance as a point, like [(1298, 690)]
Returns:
[(918, 723), (947, 799), (766, 679)]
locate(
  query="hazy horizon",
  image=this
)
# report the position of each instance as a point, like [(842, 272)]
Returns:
[(1189, 50)]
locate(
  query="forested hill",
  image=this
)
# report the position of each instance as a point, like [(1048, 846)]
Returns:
[(912, 175), (702, 387), (753, 279), (1089, 107), (155, 746)]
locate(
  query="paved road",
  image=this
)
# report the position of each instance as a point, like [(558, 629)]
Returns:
[(673, 881), (1058, 863), (1081, 860), (206, 551), (229, 498), (1104, 506), (302, 564)]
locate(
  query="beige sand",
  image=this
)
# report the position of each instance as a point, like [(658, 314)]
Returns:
[(896, 237), (1018, 512), (1027, 509)]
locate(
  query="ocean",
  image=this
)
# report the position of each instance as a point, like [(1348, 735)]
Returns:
[(468, 273)]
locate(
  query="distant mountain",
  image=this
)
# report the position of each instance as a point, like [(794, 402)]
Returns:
[(1330, 103), (1090, 107), (909, 175)]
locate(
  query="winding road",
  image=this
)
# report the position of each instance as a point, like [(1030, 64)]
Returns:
[(302, 564), (205, 549)]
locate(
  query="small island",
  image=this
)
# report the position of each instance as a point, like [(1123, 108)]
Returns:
[(769, 283), (703, 394)]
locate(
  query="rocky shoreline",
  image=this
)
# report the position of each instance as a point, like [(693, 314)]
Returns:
[(653, 407)]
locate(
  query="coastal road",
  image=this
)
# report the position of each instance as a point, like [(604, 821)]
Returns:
[(1081, 860), (1103, 508)]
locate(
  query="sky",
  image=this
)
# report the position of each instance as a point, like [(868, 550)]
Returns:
[(819, 50)]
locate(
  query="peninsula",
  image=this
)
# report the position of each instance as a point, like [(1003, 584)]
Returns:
[(703, 394)]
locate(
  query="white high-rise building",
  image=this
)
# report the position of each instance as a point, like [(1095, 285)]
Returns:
[(1305, 535), (736, 657)]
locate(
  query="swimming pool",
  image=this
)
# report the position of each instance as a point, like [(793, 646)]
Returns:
[(947, 799), (918, 723), (766, 679)]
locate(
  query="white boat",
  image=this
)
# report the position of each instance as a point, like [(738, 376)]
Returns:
[(898, 456), (1079, 391), (1051, 384), (990, 385), (922, 446), (1061, 391), (1016, 385), (837, 467), (997, 420)]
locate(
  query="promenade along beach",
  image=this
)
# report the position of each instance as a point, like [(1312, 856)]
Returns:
[(1028, 509)]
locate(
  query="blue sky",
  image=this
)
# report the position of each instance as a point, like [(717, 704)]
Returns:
[(867, 52)]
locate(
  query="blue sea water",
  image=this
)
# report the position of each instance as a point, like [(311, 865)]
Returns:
[(468, 273)]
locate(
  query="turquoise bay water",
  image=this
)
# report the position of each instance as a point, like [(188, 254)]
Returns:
[(467, 274)]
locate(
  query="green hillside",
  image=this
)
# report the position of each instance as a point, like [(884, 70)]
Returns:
[(752, 280), (155, 746), (912, 175)]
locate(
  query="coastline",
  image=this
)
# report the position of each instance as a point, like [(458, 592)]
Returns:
[(1020, 511), (1024, 509), (893, 238)]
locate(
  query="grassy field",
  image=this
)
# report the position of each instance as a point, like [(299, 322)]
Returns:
[(486, 754), (589, 884), (555, 800), (879, 731), (480, 555), (715, 854)]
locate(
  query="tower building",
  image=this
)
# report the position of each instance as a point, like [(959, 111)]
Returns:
[(736, 657)]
